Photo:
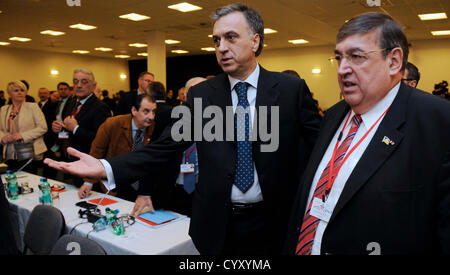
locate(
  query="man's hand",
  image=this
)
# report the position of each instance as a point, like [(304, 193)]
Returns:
[(17, 137), (86, 167), (7, 139), (141, 203), (84, 191), (57, 126), (70, 123)]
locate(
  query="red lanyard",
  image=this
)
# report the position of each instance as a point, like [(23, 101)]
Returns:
[(78, 109), (330, 179), (190, 152)]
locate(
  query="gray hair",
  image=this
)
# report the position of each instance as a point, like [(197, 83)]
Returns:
[(254, 20), (391, 32), (193, 81), (85, 71)]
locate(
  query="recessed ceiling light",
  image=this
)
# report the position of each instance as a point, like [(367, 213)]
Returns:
[(81, 51), (134, 17), (298, 41), (54, 72), (170, 41), (82, 27), (316, 71), (54, 33), (209, 49), (265, 45), (142, 54), (179, 51), (269, 31), (138, 45), (123, 76), (4, 43), (433, 16), (438, 33), (102, 49), (122, 56), (185, 7), (20, 39)]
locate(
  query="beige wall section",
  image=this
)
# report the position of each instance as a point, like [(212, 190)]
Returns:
[(35, 67), (432, 57)]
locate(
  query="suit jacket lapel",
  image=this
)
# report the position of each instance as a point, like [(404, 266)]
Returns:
[(377, 152)]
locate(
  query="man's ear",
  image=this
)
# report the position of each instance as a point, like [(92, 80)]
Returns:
[(395, 60), (255, 40), (133, 111)]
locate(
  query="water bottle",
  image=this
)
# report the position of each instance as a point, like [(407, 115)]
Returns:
[(46, 196), (13, 187)]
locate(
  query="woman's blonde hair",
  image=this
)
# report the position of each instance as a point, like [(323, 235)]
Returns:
[(16, 83)]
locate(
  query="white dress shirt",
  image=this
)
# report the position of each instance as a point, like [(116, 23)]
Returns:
[(368, 119), (237, 196)]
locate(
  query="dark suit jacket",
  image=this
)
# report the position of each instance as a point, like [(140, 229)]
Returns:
[(277, 171), (397, 195), (49, 111), (8, 244), (125, 103), (91, 115)]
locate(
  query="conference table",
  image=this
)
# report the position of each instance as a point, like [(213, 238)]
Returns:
[(139, 239)]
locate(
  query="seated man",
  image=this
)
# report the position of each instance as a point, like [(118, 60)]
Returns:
[(122, 134)]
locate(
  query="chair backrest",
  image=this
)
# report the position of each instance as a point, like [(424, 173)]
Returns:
[(76, 245), (44, 227)]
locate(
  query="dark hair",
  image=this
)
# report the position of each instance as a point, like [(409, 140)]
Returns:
[(62, 83), (144, 73), (26, 84), (105, 93), (413, 72), (391, 32), (291, 72), (137, 103), (254, 20), (157, 90)]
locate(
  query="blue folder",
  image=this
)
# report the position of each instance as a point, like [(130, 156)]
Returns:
[(158, 216)]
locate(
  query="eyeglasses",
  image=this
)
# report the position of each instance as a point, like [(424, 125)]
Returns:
[(355, 58), (83, 81)]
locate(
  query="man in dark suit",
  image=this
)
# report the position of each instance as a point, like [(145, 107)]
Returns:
[(8, 244), (127, 99), (387, 190), (242, 201), (86, 115)]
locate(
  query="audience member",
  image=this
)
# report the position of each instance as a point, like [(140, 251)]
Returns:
[(170, 99), (86, 114), (43, 95), (2, 98), (411, 75), (122, 134), (109, 101), (22, 127), (55, 97), (127, 99)]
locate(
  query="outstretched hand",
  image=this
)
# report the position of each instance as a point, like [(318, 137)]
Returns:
[(86, 167)]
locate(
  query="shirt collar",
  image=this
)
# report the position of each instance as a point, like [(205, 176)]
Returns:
[(82, 101), (134, 127), (252, 79), (371, 116)]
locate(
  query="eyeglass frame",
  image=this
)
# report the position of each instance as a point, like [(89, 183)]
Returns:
[(365, 57)]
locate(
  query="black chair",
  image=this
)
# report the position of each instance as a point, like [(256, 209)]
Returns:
[(76, 245), (44, 227)]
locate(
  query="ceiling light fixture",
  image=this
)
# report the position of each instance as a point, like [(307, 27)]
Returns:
[(269, 31), (102, 49), (433, 16), (209, 49), (180, 51), (138, 45), (170, 41), (54, 33), (298, 41), (134, 17), (142, 54), (185, 7), (20, 39), (82, 27), (81, 51), (4, 43), (439, 33), (122, 56)]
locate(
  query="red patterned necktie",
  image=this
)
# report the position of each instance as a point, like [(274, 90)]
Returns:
[(310, 223)]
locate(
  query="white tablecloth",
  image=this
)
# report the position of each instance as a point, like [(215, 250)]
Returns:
[(170, 239)]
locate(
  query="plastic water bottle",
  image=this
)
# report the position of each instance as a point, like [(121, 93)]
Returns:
[(13, 187), (46, 196)]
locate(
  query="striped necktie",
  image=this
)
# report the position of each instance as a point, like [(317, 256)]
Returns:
[(310, 223)]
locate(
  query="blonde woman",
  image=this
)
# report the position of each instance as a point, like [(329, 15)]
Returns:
[(22, 127)]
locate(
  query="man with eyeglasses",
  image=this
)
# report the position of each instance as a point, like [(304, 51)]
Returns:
[(411, 75), (79, 126), (378, 180)]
